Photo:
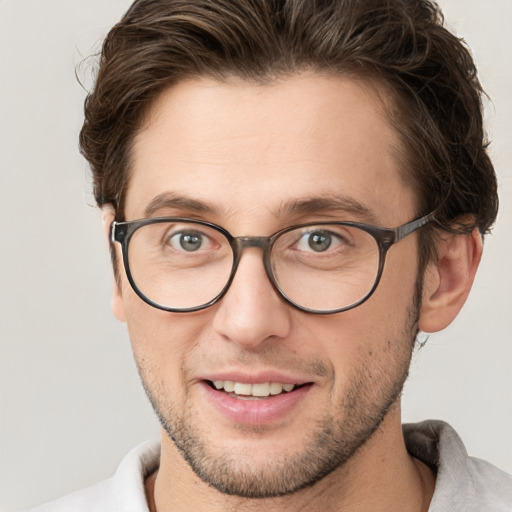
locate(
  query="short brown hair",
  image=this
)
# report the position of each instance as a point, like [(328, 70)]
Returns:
[(400, 43)]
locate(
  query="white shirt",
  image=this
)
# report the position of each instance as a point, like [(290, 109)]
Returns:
[(463, 483)]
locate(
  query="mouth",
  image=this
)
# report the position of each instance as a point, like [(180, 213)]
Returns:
[(248, 391), (265, 401)]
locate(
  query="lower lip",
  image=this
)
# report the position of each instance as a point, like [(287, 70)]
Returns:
[(261, 411)]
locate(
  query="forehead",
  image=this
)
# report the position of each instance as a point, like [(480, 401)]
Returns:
[(248, 149)]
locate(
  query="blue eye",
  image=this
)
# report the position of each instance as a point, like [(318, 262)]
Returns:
[(187, 241), (317, 241)]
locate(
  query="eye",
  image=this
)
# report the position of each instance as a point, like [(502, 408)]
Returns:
[(318, 241), (189, 241)]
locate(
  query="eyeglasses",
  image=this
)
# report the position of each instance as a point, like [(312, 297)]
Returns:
[(183, 265)]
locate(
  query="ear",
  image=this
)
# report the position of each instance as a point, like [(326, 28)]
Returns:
[(448, 281), (108, 216)]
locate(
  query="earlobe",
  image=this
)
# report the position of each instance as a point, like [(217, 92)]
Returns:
[(117, 304), (448, 281), (108, 216)]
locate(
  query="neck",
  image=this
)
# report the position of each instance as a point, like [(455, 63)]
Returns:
[(379, 477)]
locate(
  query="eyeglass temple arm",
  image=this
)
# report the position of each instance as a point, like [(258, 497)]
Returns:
[(410, 227), (114, 236)]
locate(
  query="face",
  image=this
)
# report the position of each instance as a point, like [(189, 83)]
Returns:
[(256, 159)]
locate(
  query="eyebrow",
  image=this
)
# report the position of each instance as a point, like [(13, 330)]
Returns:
[(328, 204), (168, 200), (338, 204)]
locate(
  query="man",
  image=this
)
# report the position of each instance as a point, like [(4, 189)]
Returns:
[(294, 190)]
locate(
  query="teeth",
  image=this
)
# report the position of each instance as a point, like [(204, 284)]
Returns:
[(259, 390), (276, 388), (243, 389), (228, 386)]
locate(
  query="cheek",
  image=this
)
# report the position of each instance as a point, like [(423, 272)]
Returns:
[(162, 342), (159, 333), (161, 345), (375, 338)]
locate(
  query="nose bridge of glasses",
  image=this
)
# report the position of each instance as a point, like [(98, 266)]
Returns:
[(261, 242), (257, 242)]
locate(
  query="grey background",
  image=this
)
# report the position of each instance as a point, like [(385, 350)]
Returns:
[(71, 404)]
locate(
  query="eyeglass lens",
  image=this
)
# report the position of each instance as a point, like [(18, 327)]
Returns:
[(186, 265)]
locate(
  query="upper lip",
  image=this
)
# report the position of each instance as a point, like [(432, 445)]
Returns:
[(255, 378)]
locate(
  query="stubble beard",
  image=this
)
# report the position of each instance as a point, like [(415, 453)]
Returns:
[(334, 439)]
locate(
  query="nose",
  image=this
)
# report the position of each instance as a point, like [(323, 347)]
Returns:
[(252, 311)]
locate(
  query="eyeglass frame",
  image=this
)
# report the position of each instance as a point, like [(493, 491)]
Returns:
[(122, 233)]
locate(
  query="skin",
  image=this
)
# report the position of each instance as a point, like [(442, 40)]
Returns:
[(246, 150)]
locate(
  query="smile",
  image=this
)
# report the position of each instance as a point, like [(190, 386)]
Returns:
[(255, 403), (248, 391)]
